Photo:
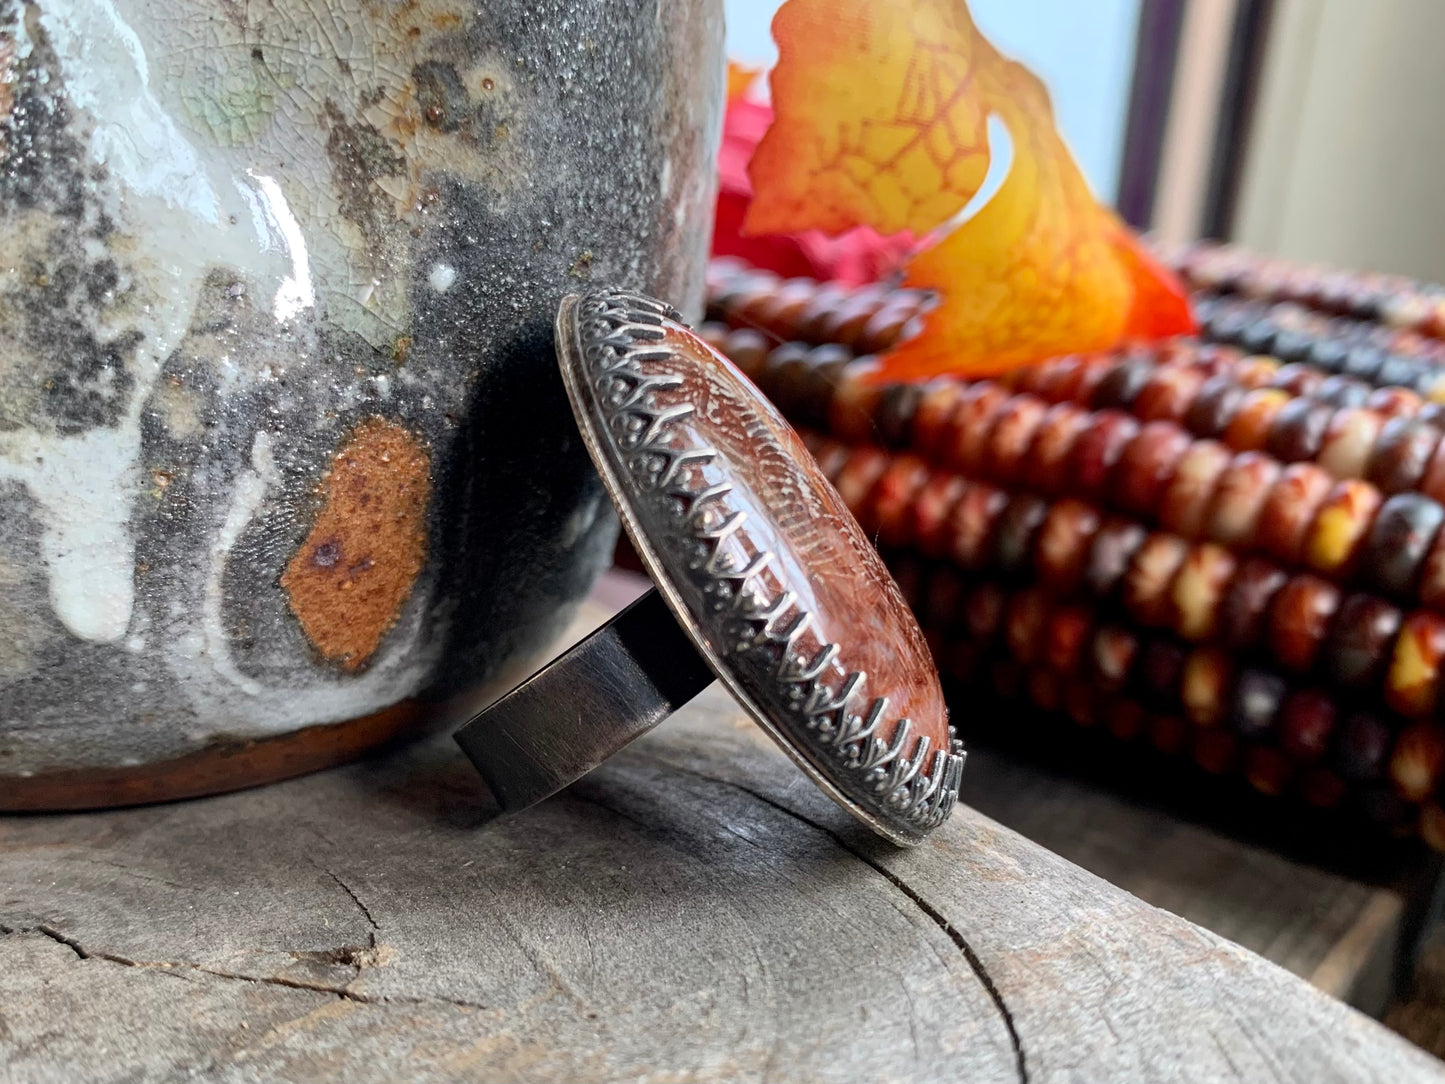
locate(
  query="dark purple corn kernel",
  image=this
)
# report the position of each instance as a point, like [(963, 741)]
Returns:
[(894, 416), (1397, 371), (1402, 452), (1157, 673), (1215, 406), (1362, 748), (1017, 527), (1298, 430), (1342, 391), (1360, 642), (1403, 532), (1123, 382), (1327, 354), (1363, 362)]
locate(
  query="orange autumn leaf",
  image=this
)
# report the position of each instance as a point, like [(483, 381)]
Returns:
[(881, 119), (741, 78)]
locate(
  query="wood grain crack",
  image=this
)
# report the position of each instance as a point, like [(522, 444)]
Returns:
[(356, 900), (176, 966), (932, 913)]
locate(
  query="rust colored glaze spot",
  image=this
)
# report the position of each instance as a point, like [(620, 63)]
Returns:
[(347, 582)]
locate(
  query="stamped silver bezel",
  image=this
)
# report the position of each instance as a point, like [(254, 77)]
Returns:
[(900, 788)]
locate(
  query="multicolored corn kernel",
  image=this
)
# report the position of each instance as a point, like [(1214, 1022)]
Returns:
[(1256, 702), (1061, 549), (1198, 590), (1053, 444), (1242, 620), (1404, 531), (1185, 501), (1412, 684), (1146, 465), (1290, 507), (1268, 770), (1096, 452), (1249, 429), (1239, 498), (1349, 442), (1339, 529), (1401, 454), (1014, 532), (1111, 554), (930, 511), (1307, 725), (1013, 433), (1361, 641), (1204, 685), (1299, 617), (1416, 760)]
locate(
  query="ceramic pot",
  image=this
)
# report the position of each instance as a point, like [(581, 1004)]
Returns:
[(285, 462)]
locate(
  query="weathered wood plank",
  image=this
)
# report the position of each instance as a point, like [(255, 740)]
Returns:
[(1339, 932), (692, 911)]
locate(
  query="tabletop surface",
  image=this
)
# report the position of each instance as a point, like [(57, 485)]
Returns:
[(694, 910)]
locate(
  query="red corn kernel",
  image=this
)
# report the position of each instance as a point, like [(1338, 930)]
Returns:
[(850, 414), (1146, 465), (930, 419), (1299, 618), (891, 501), (1216, 751), (1066, 638), (929, 514), (1045, 466), (1168, 734), (1097, 450), (972, 524), (1013, 432), (1167, 394), (970, 426), (1306, 724), (1024, 624), (857, 477), (1361, 641), (1290, 507), (1267, 769)]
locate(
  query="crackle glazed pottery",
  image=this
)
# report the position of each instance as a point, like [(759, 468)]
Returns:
[(285, 462)]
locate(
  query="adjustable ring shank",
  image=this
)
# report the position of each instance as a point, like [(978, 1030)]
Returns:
[(585, 705)]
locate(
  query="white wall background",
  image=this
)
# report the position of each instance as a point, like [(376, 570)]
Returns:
[(1083, 51), (1346, 164)]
